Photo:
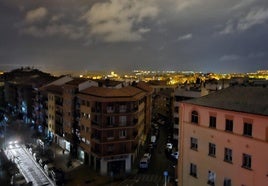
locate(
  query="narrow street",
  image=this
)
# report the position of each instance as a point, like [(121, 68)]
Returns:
[(27, 166)]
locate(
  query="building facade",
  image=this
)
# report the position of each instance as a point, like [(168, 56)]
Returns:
[(224, 138), (181, 93), (114, 123)]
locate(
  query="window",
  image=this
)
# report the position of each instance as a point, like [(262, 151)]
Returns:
[(211, 178), (122, 120), (227, 182), (110, 134), (212, 122), (194, 144), (110, 148), (194, 118), (212, 149), (83, 102), (123, 148), (193, 170), (247, 129), (122, 108), (110, 120), (176, 120), (228, 157), (122, 133), (82, 127), (246, 161), (229, 125)]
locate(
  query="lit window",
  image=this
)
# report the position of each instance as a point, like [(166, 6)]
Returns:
[(211, 178)]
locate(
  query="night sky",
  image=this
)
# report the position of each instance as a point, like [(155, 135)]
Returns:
[(221, 36)]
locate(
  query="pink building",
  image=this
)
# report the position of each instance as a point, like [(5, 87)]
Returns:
[(224, 138)]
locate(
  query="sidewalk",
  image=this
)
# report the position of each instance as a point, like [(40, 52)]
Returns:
[(78, 174)]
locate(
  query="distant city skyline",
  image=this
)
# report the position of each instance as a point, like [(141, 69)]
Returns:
[(124, 35)]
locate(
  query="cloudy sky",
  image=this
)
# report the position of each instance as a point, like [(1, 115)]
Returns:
[(122, 35)]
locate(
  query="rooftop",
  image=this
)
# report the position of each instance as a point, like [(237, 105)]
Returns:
[(246, 99)]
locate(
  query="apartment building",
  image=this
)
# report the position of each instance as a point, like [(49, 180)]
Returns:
[(162, 106), (71, 114), (114, 123), (20, 93), (51, 100), (224, 138)]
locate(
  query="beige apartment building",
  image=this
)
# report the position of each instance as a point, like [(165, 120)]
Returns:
[(224, 138), (114, 123)]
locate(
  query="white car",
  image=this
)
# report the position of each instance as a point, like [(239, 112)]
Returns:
[(169, 146), (175, 155), (147, 155)]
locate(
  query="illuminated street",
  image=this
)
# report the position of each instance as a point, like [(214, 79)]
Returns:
[(27, 166)]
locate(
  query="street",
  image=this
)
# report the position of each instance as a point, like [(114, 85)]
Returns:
[(27, 166), (160, 163)]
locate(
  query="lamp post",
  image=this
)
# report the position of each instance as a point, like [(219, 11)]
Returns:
[(165, 175)]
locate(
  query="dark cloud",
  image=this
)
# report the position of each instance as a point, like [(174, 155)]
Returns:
[(199, 35)]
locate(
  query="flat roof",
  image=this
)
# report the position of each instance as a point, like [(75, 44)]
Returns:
[(248, 99)]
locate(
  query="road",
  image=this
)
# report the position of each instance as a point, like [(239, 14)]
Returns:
[(27, 166), (154, 175)]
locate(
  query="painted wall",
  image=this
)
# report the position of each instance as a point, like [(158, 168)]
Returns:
[(256, 146)]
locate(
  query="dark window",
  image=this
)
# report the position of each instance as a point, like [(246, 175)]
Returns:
[(176, 109), (83, 102), (176, 120), (194, 117), (227, 182), (246, 161), (194, 144), (212, 121), (228, 155), (193, 170), (247, 129), (211, 149), (229, 125)]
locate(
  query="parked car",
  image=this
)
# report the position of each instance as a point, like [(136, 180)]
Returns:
[(175, 155), (18, 180), (169, 146), (144, 163), (57, 176), (147, 155), (48, 167), (36, 156), (44, 161)]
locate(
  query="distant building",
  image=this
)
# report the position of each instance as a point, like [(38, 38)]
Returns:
[(162, 105), (19, 91), (224, 138), (185, 92)]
